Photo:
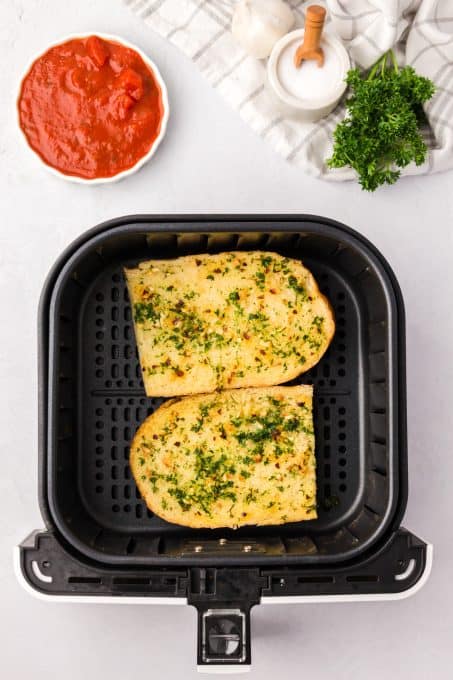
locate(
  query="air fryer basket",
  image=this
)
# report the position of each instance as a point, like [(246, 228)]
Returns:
[(96, 399), (92, 400)]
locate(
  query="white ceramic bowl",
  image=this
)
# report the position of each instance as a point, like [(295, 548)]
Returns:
[(163, 127), (310, 109)]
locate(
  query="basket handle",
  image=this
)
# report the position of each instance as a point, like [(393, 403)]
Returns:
[(223, 598)]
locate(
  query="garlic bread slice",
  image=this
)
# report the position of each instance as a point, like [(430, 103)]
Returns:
[(230, 458)]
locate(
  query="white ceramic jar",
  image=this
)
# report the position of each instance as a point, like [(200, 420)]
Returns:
[(310, 92)]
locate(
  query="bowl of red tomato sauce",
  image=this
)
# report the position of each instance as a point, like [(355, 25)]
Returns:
[(93, 108)]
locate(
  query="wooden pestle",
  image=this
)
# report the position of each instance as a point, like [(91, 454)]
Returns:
[(310, 48)]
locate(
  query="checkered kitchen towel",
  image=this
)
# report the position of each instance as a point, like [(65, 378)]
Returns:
[(422, 31)]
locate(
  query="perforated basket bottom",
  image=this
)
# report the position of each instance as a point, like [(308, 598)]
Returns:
[(112, 404)]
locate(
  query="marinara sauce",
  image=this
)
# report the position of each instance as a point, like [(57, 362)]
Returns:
[(90, 107)]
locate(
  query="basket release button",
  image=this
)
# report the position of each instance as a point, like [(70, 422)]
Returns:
[(223, 636)]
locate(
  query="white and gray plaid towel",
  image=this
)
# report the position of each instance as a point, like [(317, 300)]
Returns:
[(422, 31)]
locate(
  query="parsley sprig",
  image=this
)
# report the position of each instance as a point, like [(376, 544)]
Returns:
[(380, 133)]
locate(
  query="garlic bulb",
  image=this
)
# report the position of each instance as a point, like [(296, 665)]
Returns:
[(258, 24)]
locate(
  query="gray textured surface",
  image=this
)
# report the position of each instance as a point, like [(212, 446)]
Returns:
[(210, 162)]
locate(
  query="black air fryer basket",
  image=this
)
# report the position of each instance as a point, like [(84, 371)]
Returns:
[(101, 541)]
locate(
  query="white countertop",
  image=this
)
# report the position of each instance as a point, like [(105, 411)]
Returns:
[(211, 162)]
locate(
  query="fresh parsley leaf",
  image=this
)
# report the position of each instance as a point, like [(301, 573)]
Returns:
[(380, 133)]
